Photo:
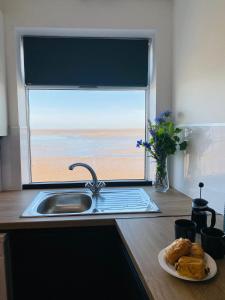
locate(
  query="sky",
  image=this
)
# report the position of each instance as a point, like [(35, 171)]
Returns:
[(76, 109)]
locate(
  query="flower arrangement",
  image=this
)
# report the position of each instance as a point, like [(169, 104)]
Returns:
[(164, 140)]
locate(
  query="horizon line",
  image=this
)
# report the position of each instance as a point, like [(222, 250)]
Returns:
[(134, 128)]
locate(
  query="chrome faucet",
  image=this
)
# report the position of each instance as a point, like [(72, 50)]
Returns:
[(95, 186)]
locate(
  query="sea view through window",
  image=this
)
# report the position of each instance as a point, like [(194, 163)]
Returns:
[(97, 127)]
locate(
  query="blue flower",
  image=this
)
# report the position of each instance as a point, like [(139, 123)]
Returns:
[(147, 145), (139, 143), (159, 120), (152, 132), (166, 113)]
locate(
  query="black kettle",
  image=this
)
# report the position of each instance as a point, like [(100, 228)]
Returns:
[(199, 209)]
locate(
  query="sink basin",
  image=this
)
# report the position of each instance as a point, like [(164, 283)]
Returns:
[(78, 202), (65, 203), (52, 203)]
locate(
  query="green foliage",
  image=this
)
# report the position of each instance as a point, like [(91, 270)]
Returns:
[(183, 145), (165, 138)]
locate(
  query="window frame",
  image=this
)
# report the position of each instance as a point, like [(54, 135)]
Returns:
[(78, 183), (150, 101)]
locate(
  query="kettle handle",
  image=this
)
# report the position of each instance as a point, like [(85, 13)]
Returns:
[(213, 218), (223, 242)]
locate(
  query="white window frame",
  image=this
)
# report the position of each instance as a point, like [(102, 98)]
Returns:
[(150, 90), (39, 87)]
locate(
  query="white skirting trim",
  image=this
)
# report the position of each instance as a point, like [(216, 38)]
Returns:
[(202, 125)]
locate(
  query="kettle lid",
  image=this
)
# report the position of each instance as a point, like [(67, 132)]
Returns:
[(199, 203)]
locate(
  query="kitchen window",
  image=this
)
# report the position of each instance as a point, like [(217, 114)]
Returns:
[(94, 116)]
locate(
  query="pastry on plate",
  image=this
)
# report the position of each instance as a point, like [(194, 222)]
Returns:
[(192, 267), (196, 251), (178, 248)]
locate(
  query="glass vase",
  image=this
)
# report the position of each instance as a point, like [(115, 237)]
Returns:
[(162, 179)]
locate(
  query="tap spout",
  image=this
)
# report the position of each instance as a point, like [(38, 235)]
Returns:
[(95, 186)]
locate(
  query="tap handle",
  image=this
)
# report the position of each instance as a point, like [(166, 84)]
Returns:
[(95, 187), (101, 184)]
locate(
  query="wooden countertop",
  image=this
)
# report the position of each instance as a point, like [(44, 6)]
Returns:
[(13, 203), (144, 235), (144, 238)]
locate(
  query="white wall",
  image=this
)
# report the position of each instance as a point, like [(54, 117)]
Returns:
[(132, 15), (3, 110), (199, 96), (3, 113)]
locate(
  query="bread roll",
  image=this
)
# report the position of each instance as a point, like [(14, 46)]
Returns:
[(191, 267), (196, 251), (178, 248)]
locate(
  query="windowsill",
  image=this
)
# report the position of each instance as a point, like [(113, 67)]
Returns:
[(81, 184)]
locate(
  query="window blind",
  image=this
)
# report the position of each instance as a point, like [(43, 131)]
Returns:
[(70, 61)]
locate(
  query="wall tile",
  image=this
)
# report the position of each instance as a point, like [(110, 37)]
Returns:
[(204, 160)]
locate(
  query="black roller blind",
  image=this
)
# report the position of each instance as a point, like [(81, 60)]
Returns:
[(85, 61)]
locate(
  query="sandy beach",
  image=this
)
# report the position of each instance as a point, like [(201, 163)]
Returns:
[(112, 154), (107, 168)]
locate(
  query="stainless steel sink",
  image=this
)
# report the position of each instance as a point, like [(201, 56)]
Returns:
[(79, 202), (57, 203), (65, 203)]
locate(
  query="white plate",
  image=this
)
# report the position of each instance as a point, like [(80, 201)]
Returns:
[(210, 262)]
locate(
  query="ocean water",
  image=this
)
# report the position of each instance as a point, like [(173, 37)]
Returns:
[(112, 153), (81, 144)]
